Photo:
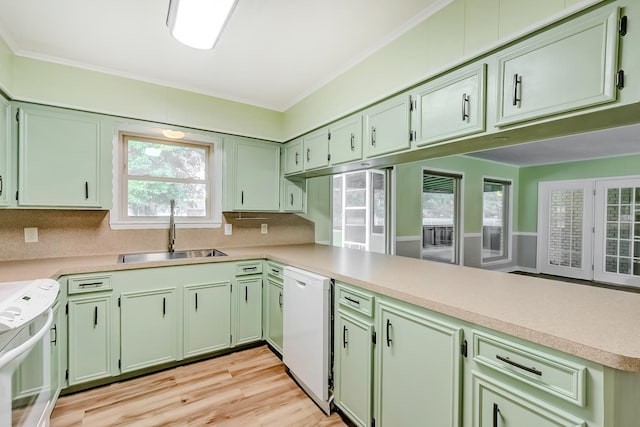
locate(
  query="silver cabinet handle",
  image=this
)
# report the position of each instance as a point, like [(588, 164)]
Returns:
[(373, 136), (95, 316), (280, 299), (249, 268), (389, 340), (82, 285), (517, 81), (496, 411), (297, 155), (353, 142), (1, 185), (291, 199), (242, 197), (308, 154), (344, 336), (465, 107), (86, 190), (533, 370)]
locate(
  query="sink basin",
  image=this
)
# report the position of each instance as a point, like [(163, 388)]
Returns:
[(165, 256)]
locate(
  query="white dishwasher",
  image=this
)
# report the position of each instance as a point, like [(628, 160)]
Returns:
[(306, 330)]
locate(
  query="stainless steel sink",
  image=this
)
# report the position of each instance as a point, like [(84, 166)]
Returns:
[(165, 256)]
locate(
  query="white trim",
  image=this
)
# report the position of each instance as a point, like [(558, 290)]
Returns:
[(507, 240), (392, 211), (150, 130), (408, 238), (517, 268), (472, 235), (323, 242), (525, 233)]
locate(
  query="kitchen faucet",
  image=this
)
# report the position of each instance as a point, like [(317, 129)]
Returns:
[(172, 226)]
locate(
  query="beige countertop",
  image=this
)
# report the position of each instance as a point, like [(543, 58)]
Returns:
[(594, 323)]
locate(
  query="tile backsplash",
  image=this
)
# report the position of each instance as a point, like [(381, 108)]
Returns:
[(63, 233)]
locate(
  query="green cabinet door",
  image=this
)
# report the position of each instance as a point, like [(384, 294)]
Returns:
[(55, 350), (248, 293), (59, 158), (293, 195), (207, 318), (451, 106), (274, 299), (496, 404), (293, 158), (387, 126), (89, 338), (570, 67), (354, 356), (345, 143), (148, 326), (418, 369), (257, 176), (5, 153), (316, 149)]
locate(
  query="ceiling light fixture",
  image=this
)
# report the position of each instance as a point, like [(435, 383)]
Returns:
[(198, 23), (173, 134)]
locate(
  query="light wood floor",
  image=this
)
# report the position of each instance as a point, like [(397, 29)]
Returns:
[(248, 388)]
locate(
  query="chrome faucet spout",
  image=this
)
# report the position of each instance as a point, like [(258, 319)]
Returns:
[(172, 226)]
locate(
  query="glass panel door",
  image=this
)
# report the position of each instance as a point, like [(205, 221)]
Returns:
[(564, 224), (617, 231), (440, 217)]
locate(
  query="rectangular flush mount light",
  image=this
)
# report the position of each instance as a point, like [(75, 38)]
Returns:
[(198, 23)]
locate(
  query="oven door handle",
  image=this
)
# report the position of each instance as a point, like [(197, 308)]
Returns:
[(16, 355)]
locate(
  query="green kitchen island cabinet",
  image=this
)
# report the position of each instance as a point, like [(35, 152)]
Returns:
[(60, 158), (248, 303), (353, 352), (90, 332), (207, 318), (273, 274), (148, 328)]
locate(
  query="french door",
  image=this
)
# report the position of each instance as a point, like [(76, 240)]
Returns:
[(590, 229)]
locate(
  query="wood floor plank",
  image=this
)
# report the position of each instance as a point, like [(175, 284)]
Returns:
[(246, 388)]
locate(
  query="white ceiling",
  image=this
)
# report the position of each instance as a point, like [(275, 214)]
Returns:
[(272, 53), (591, 145)]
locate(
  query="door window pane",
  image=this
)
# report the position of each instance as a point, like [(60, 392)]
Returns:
[(495, 214), (440, 211), (565, 228)]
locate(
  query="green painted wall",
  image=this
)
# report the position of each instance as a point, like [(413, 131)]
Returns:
[(460, 31), (530, 176), (65, 86), (319, 206), (409, 190)]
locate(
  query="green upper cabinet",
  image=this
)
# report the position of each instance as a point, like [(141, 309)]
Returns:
[(418, 367), (293, 158), (388, 126), (249, 310), (293, 194), (567, 68), (345, 140), (316, 149), (451, 106), (148, 331), (59, 158), (5, 153), (207, 318), (256, 175)]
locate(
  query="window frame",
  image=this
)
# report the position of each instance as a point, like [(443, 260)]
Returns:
[(507, 219), (119, 218)]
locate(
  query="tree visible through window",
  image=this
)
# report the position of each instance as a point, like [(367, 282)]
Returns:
[(157, 171)]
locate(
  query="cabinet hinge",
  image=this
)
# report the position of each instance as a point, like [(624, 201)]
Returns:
[(66, 374), (18, 116), (329, 157), (412, 103), (230, 338), (463, 348), (620, 79), (622, 26), (118, 301), (329, 135), (593, 229), (412, 135), (119, 363), (373, 338), (66, 309)]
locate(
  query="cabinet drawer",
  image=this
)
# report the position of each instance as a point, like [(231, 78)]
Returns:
[(356, 300), (555, 375), (78, 285), (275, 270), (252, 267)]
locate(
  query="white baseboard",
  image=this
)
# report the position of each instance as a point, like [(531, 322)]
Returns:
[(408, 238), (513, 268)]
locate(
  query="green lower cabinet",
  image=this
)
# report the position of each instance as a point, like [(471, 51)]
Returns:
[(89, 338), (148, 328), (353, 354), (248, 293), (418, 365), (207, 318), (498, 405), (274, 314)]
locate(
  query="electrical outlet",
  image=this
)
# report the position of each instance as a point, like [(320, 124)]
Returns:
[(31, 234), (264, 228), (228, 229)]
